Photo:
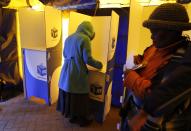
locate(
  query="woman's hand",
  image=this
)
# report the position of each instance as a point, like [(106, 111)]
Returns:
[(137, 59)]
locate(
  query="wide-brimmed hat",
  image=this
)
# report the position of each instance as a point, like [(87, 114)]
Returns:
[(169, 16)]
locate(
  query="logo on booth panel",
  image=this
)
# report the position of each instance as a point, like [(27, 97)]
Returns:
[(96, 89), (113, 43), (41, 70), (54, 32)]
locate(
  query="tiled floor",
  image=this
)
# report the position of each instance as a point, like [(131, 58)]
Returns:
[(20, 115)]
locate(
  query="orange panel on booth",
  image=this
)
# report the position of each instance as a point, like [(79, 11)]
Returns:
[(40, 35)]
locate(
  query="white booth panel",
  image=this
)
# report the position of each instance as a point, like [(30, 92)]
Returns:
[(102, 25), (113, 34), (54, 85), (53, 23), (75, 20), (99, 44), (32, 29)]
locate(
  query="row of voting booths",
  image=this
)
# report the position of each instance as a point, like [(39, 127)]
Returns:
[(42, 35)]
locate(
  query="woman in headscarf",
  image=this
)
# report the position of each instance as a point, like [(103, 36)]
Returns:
[(73, 83)]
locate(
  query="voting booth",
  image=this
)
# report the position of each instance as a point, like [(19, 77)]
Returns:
[(41, 43), (40, 36), (103, 49)]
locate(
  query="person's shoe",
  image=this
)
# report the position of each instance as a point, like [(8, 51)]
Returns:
[(73, 120), (84, 123)]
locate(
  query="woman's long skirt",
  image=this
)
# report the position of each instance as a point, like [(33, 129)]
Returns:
[(73, 105)]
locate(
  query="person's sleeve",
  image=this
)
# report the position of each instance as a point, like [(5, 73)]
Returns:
[(88, 59), (136, 83), (164, 98)]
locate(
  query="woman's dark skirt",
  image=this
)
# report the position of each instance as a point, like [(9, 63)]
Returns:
[(73, 105)]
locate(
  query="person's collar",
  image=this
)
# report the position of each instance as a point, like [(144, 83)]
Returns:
[(171, 46)]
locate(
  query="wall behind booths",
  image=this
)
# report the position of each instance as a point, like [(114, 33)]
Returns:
[(9, 68), (143, 40), (139, 37), (145, 35), (135, 23)]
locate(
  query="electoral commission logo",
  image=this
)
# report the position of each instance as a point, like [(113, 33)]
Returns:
[(54, 32), (96, 89), (41, 70)]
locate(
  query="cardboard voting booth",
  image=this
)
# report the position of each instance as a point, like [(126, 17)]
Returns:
[(40, 36), (103, 49)]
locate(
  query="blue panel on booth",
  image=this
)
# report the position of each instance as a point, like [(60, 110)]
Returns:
[(35, 72), (120, 59)]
